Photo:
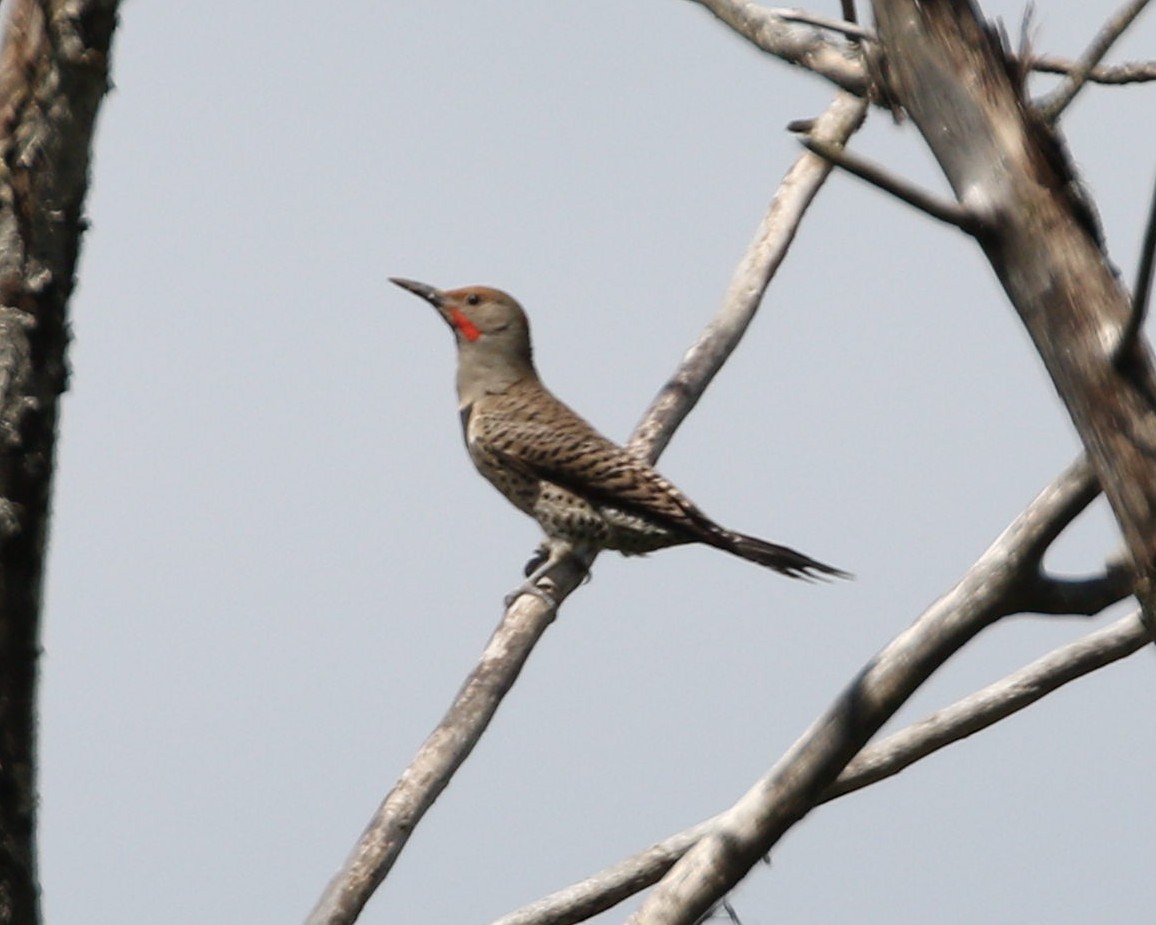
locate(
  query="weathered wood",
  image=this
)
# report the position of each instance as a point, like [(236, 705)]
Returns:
[(53, 75), (804, 774), (1010, 170)]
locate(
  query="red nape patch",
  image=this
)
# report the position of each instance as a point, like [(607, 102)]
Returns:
[(469, 330)]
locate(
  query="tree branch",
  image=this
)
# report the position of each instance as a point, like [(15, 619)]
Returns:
[(527, 619), (1141, 292), (53, 76), (1053, 107), (770, 30), (765, 253), (993, 703), (843, 26), (794, 44), (823, 751), (1065, 498), (1135, 72), (950, 74), (940, 209), (1083, 597), (749, 829), (607, 888)]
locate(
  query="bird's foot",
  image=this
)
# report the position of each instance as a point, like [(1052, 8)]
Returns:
[(540, 557), (546, 556), (530, 587)]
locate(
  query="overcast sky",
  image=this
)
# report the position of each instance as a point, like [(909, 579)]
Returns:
[(272, 563)]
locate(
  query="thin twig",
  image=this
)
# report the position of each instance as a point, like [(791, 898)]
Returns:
[(1054, 105), (769, 31), (942, 209), (607, 888), (846, 27), (1112, 74), (441, 754), (1141, 292)]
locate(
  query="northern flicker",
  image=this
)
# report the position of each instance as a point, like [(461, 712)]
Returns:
[(551, 464)]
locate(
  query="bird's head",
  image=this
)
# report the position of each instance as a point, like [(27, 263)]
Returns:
[(478, 315), (491, 330)]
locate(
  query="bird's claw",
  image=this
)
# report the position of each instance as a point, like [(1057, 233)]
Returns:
[(532, 589), (540, 557)]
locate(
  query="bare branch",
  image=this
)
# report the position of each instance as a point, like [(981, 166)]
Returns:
[(765, 253), (1104, 40), (1141, 291), (1135, 72), (1018, 550), (877, 762), (942, 209), (770, 31), (951, 75), (440, 755), (845, 27), (826, 745), (988, 706), (949, 72), (53, 77), (1083, 597), (527, 619), (607, 888), (798, 780)]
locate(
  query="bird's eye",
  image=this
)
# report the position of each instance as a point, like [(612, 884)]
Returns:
[(473, 299)]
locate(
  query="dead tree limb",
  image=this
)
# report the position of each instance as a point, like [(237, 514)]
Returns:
[(884, 759), (1006, 164), (990, 590), (53, 76), (1111, 74), (1053, 107), (779, 33), (719, 851)]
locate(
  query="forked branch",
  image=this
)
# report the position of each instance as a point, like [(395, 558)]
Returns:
[(877, 762), (951, 75), (781, 34), (805, 773), (988, 706), (798, 780), (1053, 107), (1006, 575)]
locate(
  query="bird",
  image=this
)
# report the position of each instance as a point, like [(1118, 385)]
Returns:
[(581, 487)]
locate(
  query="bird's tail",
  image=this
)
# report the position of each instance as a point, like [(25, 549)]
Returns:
[(782, 559)]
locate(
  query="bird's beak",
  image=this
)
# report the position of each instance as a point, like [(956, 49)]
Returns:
[(435, 297)]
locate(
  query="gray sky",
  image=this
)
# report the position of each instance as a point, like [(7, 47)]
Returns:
[(272, 563)]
